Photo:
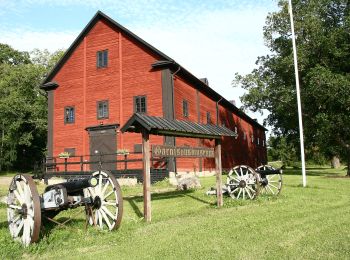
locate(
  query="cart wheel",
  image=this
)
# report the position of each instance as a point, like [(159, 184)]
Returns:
[(270, 184), (23, 210), (242, 182), (107, 207)]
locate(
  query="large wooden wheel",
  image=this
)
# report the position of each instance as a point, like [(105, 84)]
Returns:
[(23, 210), (270, 184), (107, 208), (242, 182)]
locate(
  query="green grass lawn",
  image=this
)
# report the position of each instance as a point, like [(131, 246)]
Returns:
[(309, 223)]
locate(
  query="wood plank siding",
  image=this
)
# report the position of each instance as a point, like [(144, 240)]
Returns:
[(129, 73)]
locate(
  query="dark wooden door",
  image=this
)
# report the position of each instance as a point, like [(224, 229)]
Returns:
[(103, 144)]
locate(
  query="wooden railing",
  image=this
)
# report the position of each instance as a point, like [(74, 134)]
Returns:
[(54, 164)]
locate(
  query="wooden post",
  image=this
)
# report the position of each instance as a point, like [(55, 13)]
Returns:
[(146, 176), (218, 168)]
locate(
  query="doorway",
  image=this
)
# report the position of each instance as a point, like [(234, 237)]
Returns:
[(103, 145)]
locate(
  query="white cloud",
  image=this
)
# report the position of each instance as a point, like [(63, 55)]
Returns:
[(27, 40), (209, 43)]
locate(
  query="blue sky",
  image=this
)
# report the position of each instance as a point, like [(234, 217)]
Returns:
[(212, 39)]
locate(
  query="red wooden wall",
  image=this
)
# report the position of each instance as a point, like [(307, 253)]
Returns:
[(129, 74)]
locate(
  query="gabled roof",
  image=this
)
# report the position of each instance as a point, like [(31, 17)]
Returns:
[(172, 127), (165, 61)]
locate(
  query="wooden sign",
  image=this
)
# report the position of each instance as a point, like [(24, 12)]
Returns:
[(183, 151)]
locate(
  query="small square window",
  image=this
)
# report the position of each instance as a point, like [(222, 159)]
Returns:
[(185, 108), (208, 118), (102, 109), (69, 115), (102, 59), (252, 138), (263, 143), (244, 136), (71, 151), (137, 148), (258, 141), (140, 104)]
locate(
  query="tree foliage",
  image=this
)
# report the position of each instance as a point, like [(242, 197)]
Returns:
[(23, 106), (322, 29)]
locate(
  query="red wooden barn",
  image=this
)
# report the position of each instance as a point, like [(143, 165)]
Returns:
[(108, 73)]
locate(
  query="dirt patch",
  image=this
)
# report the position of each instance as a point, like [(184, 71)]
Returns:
[(5, 181)]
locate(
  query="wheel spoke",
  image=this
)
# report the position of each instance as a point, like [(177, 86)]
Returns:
[(19, 188), (239, 193), (26, 233), (18, 197), (110, 203), (14, 206), (19, 228), (96, 217), (241, 171), (105, 209), (100, 184), (237, 173), (100, 219), (106, 219), (268, 186), (109, 194), (104, 188), (273, 186), (250, 196), (251, 189), (93, 194)]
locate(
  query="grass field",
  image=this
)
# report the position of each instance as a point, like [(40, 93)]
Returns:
[(302, 223)]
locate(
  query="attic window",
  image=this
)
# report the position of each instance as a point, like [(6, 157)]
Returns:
[(102, 59), (185, 108), (69, 115), (102, 109), (140, 104), (208, 118)]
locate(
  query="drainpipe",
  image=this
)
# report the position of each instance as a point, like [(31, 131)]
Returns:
[(217, 111), (172, 81)]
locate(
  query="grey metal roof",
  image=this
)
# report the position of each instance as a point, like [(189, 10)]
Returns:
[(162, 126)]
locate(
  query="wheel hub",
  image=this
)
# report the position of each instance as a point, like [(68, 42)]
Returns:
[(242, 184), (97, 202), (264, 182), (23, 211)]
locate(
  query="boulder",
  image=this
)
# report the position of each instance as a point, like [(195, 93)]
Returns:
[(186, 182)]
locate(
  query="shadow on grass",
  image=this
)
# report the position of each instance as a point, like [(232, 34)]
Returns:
[(133, 200), (4, 225), (326, 172), (48, 226)]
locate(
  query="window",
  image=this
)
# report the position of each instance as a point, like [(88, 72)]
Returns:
[(102, 109), (102, 59), (263, 143), (258, 141), (236, 131), (244, 136), (137, 148), (252, 138), (208, 118), (71, 151), (69, 115), (140, 104), (185, 108)]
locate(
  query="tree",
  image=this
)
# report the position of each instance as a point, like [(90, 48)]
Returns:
[(322, 30), (23, 107)]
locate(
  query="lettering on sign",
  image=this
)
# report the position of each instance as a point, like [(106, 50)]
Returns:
[(173, 151)]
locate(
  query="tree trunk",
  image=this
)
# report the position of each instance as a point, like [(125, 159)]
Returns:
[(335, 162)]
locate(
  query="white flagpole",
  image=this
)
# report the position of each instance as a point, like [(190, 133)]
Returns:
[(301, 132)]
